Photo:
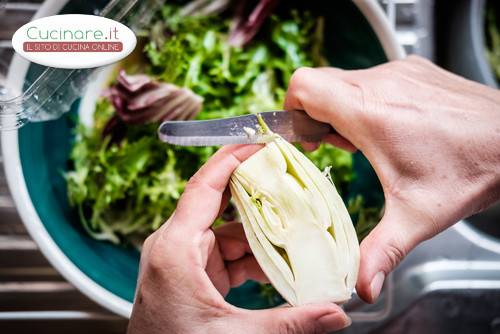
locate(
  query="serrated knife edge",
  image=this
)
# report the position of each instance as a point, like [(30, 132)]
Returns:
[(293, 126)]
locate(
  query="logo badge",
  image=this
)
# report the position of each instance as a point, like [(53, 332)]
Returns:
[(74, 41)]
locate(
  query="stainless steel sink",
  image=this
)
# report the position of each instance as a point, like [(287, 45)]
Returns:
[(488, 221), (448, 274)]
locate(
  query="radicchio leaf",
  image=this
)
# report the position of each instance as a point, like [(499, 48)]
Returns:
[(246, 24), (138, 99)]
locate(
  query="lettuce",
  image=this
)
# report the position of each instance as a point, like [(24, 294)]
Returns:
[(125, 190)]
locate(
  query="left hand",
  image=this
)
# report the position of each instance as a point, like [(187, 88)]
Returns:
[(187, 268)]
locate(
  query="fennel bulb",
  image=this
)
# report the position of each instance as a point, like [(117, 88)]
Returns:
[(297, 225)]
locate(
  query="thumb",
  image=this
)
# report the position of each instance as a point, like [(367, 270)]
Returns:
[(385, 247), (314, 318)]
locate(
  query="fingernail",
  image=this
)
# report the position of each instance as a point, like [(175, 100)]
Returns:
[(334, 322), (376, 285)]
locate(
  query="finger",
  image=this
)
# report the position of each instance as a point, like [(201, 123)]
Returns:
[(314, 318), (326, 96), (226, 196), (232, 241), (201, 201), (244, 269), (217, 271), (309, 146), (340, 142), (231, 229), (384, 248)]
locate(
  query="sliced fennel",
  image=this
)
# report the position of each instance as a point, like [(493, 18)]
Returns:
[(297, 225)]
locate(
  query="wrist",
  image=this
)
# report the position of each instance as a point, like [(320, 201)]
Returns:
[(494, 187), (489, 191), (475, 158)]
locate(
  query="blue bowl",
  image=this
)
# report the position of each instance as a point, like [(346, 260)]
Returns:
[(36, 158)]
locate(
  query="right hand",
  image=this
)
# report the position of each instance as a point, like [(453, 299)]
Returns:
[(432, 137)]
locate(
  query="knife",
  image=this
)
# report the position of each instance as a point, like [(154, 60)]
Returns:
[(294, 126)]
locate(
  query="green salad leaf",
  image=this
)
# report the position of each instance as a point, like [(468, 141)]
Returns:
[(127, 190), (233, 81)]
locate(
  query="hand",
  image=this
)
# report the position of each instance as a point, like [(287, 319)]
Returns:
[(186, 269), (432, 137)]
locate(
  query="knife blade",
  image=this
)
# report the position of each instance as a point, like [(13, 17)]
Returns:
[(294, 126)]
